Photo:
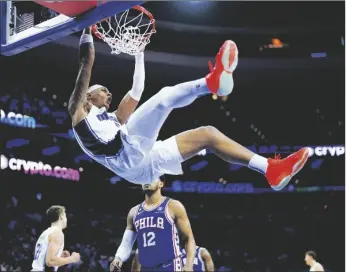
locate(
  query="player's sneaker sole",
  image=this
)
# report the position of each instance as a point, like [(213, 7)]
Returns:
[(229, 56), (220, 78)]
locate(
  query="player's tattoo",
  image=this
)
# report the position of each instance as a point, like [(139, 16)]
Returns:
[(86, 61), (81, 87)]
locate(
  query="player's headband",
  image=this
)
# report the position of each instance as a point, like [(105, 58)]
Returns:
[(95, 87)]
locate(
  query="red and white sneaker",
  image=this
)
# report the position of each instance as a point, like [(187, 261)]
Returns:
[(280, 171), (220, 79)]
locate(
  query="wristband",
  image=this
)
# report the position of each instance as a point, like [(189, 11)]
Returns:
[(86, 38)]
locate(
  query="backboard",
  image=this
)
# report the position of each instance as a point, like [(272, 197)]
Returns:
[(23, 28)]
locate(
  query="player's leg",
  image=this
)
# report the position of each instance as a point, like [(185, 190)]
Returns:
[(148, 119), (278, 172), (193, 141)]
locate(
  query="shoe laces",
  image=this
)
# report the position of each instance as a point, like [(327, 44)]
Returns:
[(211, 67), (210, 63), (277, 157)]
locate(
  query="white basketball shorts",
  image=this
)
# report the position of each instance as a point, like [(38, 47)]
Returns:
[(142, 161)]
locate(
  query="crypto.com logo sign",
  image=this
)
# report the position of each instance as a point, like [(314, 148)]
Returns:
[(38, 168), (327, 150), (17, 119)]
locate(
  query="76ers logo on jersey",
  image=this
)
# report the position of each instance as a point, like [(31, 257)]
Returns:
[(149, 222)]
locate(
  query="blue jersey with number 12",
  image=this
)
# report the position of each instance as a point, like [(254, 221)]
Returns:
[(157, 235)]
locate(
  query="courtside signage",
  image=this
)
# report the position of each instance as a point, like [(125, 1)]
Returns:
[(38, 168), (17, 119)]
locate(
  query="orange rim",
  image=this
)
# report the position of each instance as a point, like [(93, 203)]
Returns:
[(138, 8)]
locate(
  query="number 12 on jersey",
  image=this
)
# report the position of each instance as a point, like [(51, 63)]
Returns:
[(148, 239)]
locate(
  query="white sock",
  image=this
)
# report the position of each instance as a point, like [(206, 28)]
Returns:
[(259, 164)]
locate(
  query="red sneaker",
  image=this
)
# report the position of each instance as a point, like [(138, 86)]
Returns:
[(280, 171), (220, 79)]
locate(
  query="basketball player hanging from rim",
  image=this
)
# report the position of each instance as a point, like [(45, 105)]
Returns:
[(125, 140)]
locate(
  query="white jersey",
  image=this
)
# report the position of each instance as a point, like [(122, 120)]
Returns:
[(98, 134), (132, 157), (41, 248), (316, 267)]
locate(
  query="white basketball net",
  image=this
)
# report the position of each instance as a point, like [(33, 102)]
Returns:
[(124, 36)]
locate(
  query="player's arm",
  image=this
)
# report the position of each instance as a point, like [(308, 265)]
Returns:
[(207, 260), (129, 103), (129, 238), (86, 61), (136, 267), (56, 240), (178, 213)]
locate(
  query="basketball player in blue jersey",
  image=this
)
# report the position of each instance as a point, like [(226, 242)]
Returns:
[(202, 261), (125, 141), (156, 224)]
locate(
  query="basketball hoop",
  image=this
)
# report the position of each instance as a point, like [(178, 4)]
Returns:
[(124, 33)]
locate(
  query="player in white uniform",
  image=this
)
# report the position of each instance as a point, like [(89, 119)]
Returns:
[(49, 249), (125, 141), (310, 260)]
